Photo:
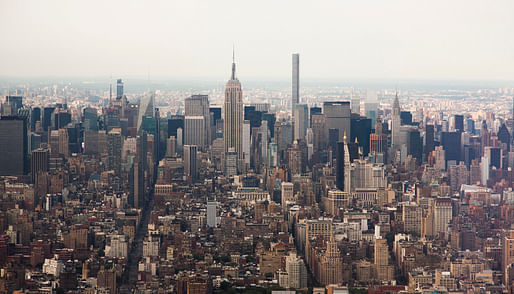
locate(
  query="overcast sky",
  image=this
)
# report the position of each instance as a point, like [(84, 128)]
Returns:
[(361, 39)]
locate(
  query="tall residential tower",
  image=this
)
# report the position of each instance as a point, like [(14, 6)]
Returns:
[(295, 95)]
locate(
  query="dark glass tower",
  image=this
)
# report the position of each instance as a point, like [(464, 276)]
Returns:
[(360, 129), (14, 160)]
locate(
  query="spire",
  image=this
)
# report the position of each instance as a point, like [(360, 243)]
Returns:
[(233, 64), (396, 103)]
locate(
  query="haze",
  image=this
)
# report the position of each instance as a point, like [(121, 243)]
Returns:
[(193, 39)]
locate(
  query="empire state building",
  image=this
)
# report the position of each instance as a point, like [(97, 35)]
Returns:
[(233, 122)]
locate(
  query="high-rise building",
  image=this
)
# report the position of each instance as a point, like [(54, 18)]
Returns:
[(15, 101), (301, 120), (406, 117), (191, 162), (246, 141), (47, 117), (507, 254), (360, 130), (295, 87), (212, 214), (14, 146), (296, 272), (504, 137), (174, 123), (451, 142), (138, 171), (287, 194), (233, 118), (198, 105), (195, 131), (356, 104), (295, 159), (119, 89), (337, 115), (114, 146), (90, 119), (381, 252), (331, 264), (411, 217), (415, 144), (62, 117), (171, 146), (35, 116), (442, 215), (146, 108), (429, 139), (396, 125), (383, 271), (458, 123), (231, 162), (314, 110), (39, 162), (318, 124), (64, 140), (340, 164), (253, 116), (495, 156), (216, 121), (53, 141), (378, 143)]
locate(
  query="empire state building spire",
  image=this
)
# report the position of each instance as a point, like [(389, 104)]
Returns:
[(233, 65)]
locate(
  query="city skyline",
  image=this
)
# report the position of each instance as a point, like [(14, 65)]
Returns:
[(132, 160), (458, 40)]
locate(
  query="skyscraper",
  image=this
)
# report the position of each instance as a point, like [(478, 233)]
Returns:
[(337, 115), (296, 272), (146, 108), (119, 89), (212, 211), (233, 118), (295, 94), (360, 129), (451, 142), (395, 125), (114, 144), (190, 162), (47, 117), (458, 122), (198, 105), (39, 162), (34, 117), (14, 146), (340, 164), (301, 112), (195, 131), (15, 101)]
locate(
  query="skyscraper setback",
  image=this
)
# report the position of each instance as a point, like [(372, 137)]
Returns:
[(233, 117)]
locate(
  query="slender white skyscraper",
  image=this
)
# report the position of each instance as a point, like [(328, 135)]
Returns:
[(295, 95), (233, 118)]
